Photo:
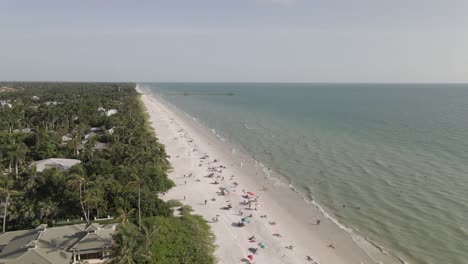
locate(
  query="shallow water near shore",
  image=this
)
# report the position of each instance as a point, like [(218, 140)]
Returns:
[(388, 161)]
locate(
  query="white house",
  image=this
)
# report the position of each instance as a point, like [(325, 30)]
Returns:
[(4, 103), (111, 112), (66, 138), (62, 164), (24, 130)]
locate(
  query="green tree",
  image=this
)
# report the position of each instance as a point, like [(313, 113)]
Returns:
[(32, 180), (6, 190), (124, 215), (127, 244), (17, 154), (79, 181), (136, 183)]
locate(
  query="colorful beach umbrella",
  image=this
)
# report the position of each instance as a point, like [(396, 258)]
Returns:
[(250, 257), (251, 193)]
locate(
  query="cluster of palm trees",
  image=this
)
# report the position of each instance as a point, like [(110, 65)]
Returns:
[(16, 156), (6, 190), (124, 180)]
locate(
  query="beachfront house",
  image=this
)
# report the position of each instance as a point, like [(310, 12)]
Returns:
[(62, 164), (60, 245)]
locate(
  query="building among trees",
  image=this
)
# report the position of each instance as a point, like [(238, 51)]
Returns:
[(65, 244)]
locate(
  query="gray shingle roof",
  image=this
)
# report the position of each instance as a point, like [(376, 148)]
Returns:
[(52, 245)]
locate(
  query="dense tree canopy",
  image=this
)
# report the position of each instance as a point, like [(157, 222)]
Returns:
[(122, 170), (73, 120), (165, 240)]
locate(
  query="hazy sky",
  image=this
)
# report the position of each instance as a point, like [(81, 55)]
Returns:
[(235, 40)]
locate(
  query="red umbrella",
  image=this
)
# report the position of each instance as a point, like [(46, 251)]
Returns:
[(251, 193), (250, 257)]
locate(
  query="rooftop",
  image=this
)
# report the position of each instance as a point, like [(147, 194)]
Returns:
[(63, 164), (53, 245)]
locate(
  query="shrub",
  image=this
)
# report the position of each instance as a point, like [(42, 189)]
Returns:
[(174, 203)]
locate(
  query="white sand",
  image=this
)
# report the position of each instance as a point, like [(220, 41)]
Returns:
[(296, 220)]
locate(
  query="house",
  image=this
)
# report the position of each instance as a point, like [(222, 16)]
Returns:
[(90, 135), (52, 103), (4, 103), (34, 98), (66, 138), (24, 130), (111, 112), (62, 164), (110, 131), (97, 146), (6, 89), (64, 244), (100, 146), (107, 112), (95, 129)]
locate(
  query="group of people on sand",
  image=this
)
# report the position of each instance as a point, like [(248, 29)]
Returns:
[(249, 199)]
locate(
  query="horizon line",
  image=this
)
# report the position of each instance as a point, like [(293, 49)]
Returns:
[(234, 82)]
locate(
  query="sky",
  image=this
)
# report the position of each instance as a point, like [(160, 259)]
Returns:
[(234, 40)]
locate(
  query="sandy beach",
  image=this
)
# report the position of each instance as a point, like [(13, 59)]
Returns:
[(275, 217)]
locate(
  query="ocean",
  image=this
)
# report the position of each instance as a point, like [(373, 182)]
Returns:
[(389, 161)]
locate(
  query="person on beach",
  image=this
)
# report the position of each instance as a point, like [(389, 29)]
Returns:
[(206, 201), (331, 246), (318, 221)]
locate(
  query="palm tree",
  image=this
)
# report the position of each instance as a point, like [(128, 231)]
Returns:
[(6, 190), (33, 179), (124, 215), (126, 245), (89, 148), (149, 231), (79, 180), (136, 184), (94, 198), (47, 209), (17, 154)]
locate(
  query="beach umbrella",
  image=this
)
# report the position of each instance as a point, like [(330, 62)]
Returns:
[(251, 193), (245, 220), (250, 257), (262, 245)]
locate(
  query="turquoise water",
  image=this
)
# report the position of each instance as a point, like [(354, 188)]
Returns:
[(390, 161)]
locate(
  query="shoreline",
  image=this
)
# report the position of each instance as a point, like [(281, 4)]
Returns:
[(186, 143)]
